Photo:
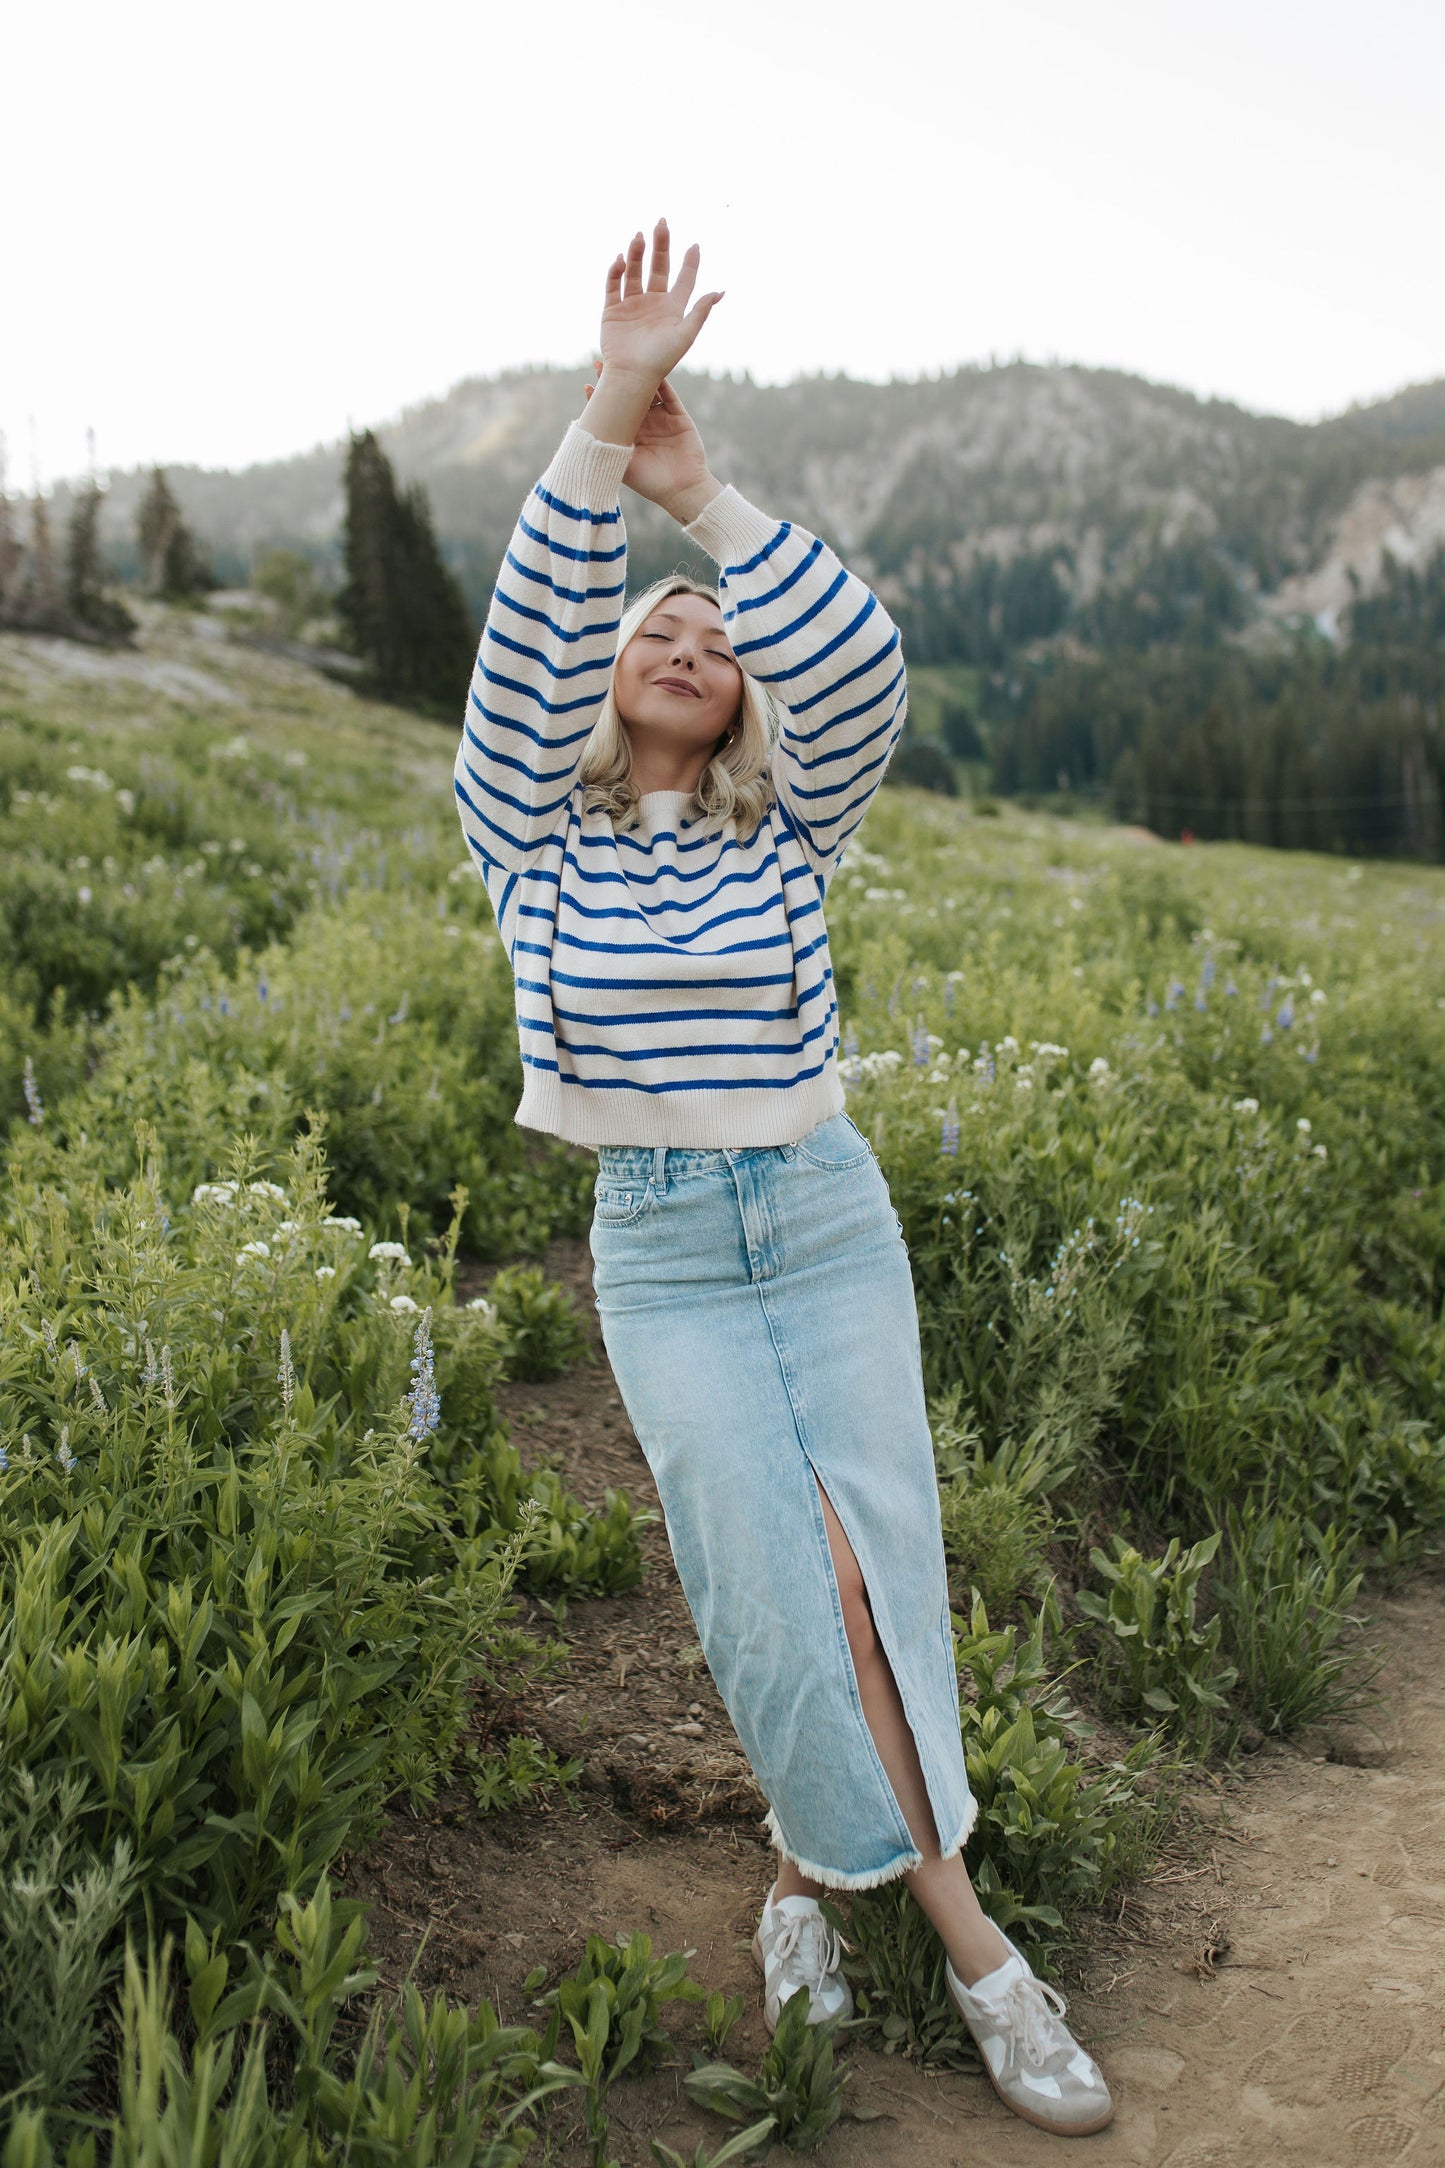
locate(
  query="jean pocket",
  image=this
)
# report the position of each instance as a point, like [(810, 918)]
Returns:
[(616, 1205), (835, 1146)]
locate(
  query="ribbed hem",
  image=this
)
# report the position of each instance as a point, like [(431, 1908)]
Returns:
[(731, 529), (587, 472), (708, 1118), (873, 1878)]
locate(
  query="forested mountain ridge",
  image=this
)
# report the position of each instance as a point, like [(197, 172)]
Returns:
[(994, 507)]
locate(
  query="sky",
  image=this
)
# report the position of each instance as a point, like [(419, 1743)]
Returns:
[(233, 231)]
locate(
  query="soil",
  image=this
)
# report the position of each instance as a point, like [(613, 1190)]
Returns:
[(1274, 1987)]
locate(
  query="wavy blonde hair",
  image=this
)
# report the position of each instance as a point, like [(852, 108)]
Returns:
[(737, 782)]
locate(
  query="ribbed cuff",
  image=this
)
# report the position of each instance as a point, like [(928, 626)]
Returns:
[(587, 472), (730, 529)]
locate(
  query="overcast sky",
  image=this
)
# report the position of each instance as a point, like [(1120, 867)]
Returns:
[(231, 230)]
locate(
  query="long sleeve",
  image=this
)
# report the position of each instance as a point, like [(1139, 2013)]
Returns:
[(545, 655), (827, 651)]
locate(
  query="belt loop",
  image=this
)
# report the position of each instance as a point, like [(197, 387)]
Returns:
[(659, 1167)]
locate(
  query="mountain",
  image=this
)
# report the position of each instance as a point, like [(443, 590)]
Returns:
[(994, 507)]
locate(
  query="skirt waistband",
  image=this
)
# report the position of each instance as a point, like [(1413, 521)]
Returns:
[(636, 1162)]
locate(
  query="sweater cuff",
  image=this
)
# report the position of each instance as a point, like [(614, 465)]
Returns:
[(730, 529), (587, 472)]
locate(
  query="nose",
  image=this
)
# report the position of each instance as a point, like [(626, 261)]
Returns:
[(684, 656)]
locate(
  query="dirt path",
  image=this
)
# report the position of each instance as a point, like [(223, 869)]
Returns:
[(1276, 1989)]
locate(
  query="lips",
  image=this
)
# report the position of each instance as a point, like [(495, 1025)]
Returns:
[(678, 685)]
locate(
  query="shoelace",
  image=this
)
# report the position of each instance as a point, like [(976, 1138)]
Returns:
[(817, 1946), (1033, 2023)]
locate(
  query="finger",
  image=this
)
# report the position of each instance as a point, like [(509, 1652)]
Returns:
[(687, 276), (661, 257), (597, 366), (586, 393), (632, 284), (668, 400), (614, 281), (699, 313)]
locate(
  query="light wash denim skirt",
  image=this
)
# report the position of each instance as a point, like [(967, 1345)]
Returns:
[(759, 1317)]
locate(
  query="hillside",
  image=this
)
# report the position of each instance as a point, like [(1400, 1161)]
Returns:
[(1086, 482)]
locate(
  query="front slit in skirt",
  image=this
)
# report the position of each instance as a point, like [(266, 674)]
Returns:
[(759, 1317)]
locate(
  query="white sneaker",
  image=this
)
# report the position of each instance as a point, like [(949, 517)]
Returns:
[(795, 1948), (1036, 2065)]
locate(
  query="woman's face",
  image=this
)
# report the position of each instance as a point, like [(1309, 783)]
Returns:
[(676, 677)]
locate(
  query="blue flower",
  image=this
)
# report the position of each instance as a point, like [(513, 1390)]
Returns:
[(1286, 1013), (949, 1144), (423, 1401)]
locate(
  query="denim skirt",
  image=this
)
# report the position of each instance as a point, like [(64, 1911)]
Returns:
[(759, 1317)]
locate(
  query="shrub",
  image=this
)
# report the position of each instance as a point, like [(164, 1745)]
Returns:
[(797, 2095), (1157, 1660), (1284, 1594), (544, 1333)]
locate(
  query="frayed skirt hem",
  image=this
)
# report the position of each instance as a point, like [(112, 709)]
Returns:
[(874, 1878)]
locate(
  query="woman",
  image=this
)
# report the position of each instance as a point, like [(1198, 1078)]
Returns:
[(657, 851)]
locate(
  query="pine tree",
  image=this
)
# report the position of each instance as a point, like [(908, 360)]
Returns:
[(40, 606), (405, 613), (89, 605), (172, 565), (11, 552)]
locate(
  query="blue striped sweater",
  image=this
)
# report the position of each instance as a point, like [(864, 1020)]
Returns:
[(673, 984)]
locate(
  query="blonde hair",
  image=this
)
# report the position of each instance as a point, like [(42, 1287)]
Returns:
[(737, 782)]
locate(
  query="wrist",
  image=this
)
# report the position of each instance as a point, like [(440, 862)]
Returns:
[(685, 505), (619, 404)]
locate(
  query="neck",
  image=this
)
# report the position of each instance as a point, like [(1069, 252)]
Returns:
[(660, 768)]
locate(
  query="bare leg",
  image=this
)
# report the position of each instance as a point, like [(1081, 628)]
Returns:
[(941, 1886)]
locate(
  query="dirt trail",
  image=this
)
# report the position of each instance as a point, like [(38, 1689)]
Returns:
[(1276, 1988)]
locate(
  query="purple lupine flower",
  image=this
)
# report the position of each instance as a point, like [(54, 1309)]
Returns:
[(949, 1143), (31, 1089), (423, 1401)]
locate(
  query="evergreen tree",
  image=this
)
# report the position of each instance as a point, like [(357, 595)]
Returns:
[(88, 603), (11, 552), (172, 565), (403, 609), (40, 607)]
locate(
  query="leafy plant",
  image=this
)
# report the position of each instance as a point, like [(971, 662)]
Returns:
[(1285, 1593), (798, 2092), (522, 1771), (744, 2145), (611, 2004), (1159, 1661), (539, 1317)]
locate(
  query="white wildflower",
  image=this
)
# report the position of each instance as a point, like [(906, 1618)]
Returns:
[(254, 1249), (388, 1253), (326, 1272), (402, 1302), (1304, 1125), (346, 1223), (1320, 1152), (267, 1189), (1009, 1044), (288, 1227), (1098, 1066), (487, 1309), (1246, 1106), (1318, 997)]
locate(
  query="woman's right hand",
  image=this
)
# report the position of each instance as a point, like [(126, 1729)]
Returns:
[(647, 327)]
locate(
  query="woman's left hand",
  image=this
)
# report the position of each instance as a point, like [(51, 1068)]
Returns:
[(668, 463)]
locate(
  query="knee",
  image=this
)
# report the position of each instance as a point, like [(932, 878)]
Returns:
[(857, 1617)]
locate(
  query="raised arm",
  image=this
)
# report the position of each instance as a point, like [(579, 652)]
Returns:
[(547, 649), (829, 654)]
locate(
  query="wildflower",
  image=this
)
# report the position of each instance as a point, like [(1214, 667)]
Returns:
[(346, 1223), (286, 1374), (920, 1044), (1008, 1044), (254, 1249), (98, 1396), (288, 1227), (402, 1302), (150, 1374), (1246, 1106), (168, 1378), (1318, 997), (221, 1193), (398, 1014), (1098, 1067), (1286, 1013), (487, 1309), (423, 1400), (1266, 1036), (326, 1272), (1206, 975), (948, 1145), (62, 1452), (81, 1367), (1174, 993), (31, 1090), (52, 1345), (1151, 1007), (4, 1461), (1231, 989), (1304, 1125), (388, 1253), (1320, 1152), (263, 991), (267, 1189)]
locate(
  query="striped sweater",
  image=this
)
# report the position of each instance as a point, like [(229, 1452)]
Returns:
[(673, 984)]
